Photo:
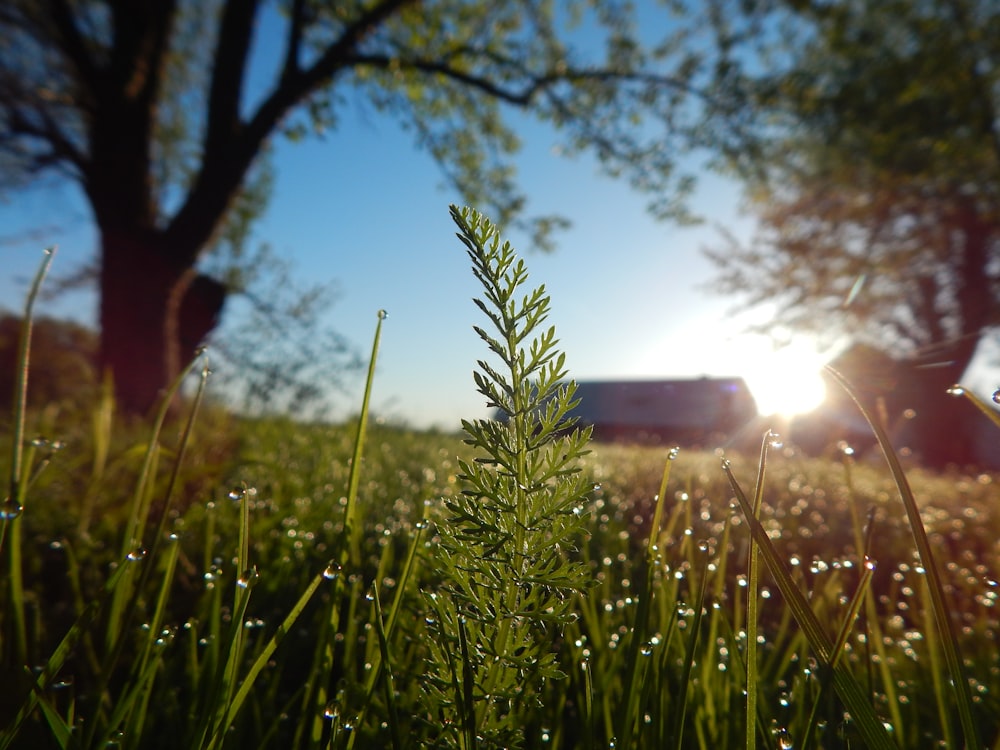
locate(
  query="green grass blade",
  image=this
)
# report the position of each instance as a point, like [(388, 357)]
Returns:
[(351, 526), (654, 527), (753, 587), (349, 556), (386, 670), (949, 640), (265, 655), (61, 653), (16, 496), (390, 625), (848, 688), (839, 646), (689, 658), (992, 414), (13, 504), (630, 713)]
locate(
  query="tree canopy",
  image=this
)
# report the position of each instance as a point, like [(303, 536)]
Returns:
[(155, 110), (876, 175), (874, 169)]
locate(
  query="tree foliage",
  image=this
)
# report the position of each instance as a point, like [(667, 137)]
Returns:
[(159, 111), (874, 169), (875, 173)]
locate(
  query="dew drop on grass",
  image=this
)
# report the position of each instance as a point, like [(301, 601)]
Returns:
[(331, 711), (332, 571), (236, 493), (956, 390), (10, 509), (674, 453), (137, 554), (248, 578), (646, 648)]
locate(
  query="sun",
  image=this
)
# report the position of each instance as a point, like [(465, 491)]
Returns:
[(787, 381)]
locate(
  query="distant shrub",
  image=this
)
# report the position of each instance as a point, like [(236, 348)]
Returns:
[(63, 361)]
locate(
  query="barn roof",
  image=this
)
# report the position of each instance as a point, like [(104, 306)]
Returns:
[(699, 402)]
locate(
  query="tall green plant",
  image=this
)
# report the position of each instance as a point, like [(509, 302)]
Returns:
[(506, 578)]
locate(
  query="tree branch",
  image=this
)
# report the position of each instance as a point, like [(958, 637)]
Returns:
[(290, 68), (231, 56), (72, 46), (230, 147)]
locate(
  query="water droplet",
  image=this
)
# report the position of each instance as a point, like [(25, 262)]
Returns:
[(674, 453), (39, 442), (870, 564), (774, 440), (646, 648), (382, 315), (956, 390), (10, 509), (332, 571), (236, 493), (331, 711), (249, 577), (996, 396), (137, 554)]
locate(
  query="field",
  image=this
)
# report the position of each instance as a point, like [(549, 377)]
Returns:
[(207, 580)]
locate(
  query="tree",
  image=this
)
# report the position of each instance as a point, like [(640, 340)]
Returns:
[(875, 173), (152, 109)]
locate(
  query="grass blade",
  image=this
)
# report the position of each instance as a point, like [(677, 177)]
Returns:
[(992, 414), (351, 510), (630, 715), (13, 504), (949, 640), (265, 655), (848, 688), (753, 581), (60, 654)]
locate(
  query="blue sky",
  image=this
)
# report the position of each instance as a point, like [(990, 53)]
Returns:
[(365, 209)]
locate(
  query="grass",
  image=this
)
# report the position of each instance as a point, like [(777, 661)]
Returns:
[(214, 581)]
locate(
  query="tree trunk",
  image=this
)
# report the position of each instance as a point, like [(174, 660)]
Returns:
[(153, 314)]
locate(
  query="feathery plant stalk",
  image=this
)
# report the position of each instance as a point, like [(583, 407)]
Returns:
[(507, 583)]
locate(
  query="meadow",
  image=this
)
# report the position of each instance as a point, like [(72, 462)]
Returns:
[(206, 580)]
